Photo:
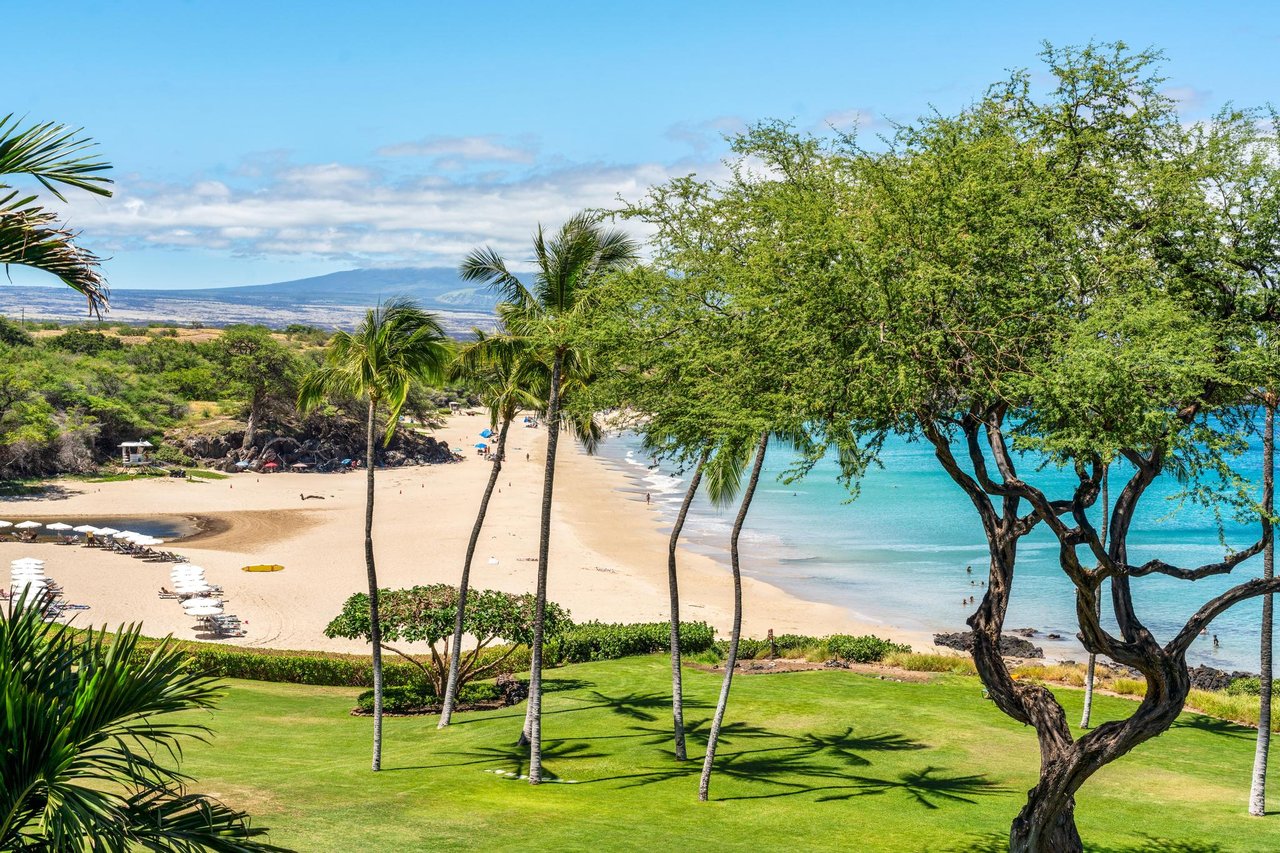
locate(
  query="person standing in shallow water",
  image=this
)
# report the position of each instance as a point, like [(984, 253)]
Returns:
[(647, 498)]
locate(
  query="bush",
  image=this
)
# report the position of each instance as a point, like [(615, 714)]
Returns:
[(866, 649), (600, 641), (918, 662), (1250, 687), (1129, 687)]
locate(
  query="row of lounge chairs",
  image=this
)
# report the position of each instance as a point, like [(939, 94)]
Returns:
[(138, 552)]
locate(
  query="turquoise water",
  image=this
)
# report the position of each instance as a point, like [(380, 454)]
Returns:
[(898, 553)]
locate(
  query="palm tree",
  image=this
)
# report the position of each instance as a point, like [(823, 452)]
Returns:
[(723, 478), (1258, 788), (566, 266), (396, 343), (56, 156), (1091, 670), (673, 587), (87, 743), (508, 382)]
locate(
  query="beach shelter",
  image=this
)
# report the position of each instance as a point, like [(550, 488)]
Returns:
[(485, 433), (243, 463), (481, 445), (58, 525), (202, 601), (204, 611), (4, 524), (28, 525), (106, 531), (272, 465), (85, 528)]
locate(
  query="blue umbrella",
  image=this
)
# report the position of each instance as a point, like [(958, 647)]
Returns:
[(482, 444), (486, 433), (243, 463)]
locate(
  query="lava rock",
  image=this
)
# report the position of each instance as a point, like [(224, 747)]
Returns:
[(1010, 646)]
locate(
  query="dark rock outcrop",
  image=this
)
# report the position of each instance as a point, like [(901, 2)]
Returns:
[(1010, 646)]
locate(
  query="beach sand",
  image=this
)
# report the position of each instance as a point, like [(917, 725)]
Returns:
[(608, 549)]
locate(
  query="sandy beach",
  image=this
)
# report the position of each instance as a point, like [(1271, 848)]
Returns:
[(608, 549)]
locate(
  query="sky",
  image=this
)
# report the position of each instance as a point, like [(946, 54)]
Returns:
[(264, 141)]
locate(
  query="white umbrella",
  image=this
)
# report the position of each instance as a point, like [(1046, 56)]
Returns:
[(58, 525), (32, 560), (204, 611), (106, 531), (175, 574), (202, 601), (128, 534), (4, 524), (28, 525)]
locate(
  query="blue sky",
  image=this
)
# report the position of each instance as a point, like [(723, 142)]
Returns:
[(260, 141)]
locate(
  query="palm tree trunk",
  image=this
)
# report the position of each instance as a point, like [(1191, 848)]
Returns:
[(677, 689), (1258, 790), (375, 630), (455, 654), (544, 547), (704, 786), (1093, 659)]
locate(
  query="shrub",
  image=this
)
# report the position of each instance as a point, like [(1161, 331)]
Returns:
[(1129, 687), (918, 662), (600, 641), (866, 649), (1239, 707), (1250, 687)]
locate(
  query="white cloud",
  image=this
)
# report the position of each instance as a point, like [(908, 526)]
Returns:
[(462, 149), (849, 120), (362, 216), (1188, 98)]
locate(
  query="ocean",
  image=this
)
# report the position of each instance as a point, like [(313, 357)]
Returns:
[(898, 553)]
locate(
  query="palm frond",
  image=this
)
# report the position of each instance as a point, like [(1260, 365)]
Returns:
[(725, 468), (53, 154), (31, 236)]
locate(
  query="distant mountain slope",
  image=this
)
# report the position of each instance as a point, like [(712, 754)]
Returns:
[(333, 300)]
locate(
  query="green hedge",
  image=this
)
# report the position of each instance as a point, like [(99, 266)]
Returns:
[(600, 641), (399, 699), (864, 649)]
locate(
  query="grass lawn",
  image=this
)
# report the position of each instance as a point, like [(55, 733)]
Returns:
[(824, 760)]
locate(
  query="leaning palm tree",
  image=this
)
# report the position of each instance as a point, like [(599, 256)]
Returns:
[(87, 742), (508, 381), (396, 343), (724, 474), (30, 235), (566, 267)]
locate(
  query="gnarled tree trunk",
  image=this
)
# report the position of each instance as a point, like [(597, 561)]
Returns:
[(455, 651), (713, 737), (677, 689), (1091, 671)]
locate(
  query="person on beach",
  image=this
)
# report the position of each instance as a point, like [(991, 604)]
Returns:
[(647, 499), (1215, 641)]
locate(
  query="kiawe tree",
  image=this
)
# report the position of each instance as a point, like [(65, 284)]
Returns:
[(396, 343), (566, 266), (262, 367)]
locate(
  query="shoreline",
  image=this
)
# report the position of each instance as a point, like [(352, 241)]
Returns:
[(608, 548)]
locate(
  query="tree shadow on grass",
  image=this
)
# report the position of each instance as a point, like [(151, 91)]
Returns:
[(513, 760), (999, 843), (1215, 726)]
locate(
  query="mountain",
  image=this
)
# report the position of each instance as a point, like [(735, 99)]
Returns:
[(335, 300)]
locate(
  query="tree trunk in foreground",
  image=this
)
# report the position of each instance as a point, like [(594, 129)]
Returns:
[(1258, 790), (677, 689), (540, 607), (455, 653), (704, 786), (375, 630), (1093, 658)]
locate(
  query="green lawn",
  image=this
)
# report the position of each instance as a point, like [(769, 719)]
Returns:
[(823, 760)]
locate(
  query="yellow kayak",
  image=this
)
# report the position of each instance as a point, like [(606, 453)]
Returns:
[(270, 568)]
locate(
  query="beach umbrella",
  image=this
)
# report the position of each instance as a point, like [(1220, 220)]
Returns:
[(28, 525), (481, 444), (26, 560), (58, 525), (128, 534), (4, 524), (202, 601), (85, 528), (272, 465), (204, 611), (106, 531), (243, 463), (485, 433)]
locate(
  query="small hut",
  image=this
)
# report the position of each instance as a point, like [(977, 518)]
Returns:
[(135, 452)]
